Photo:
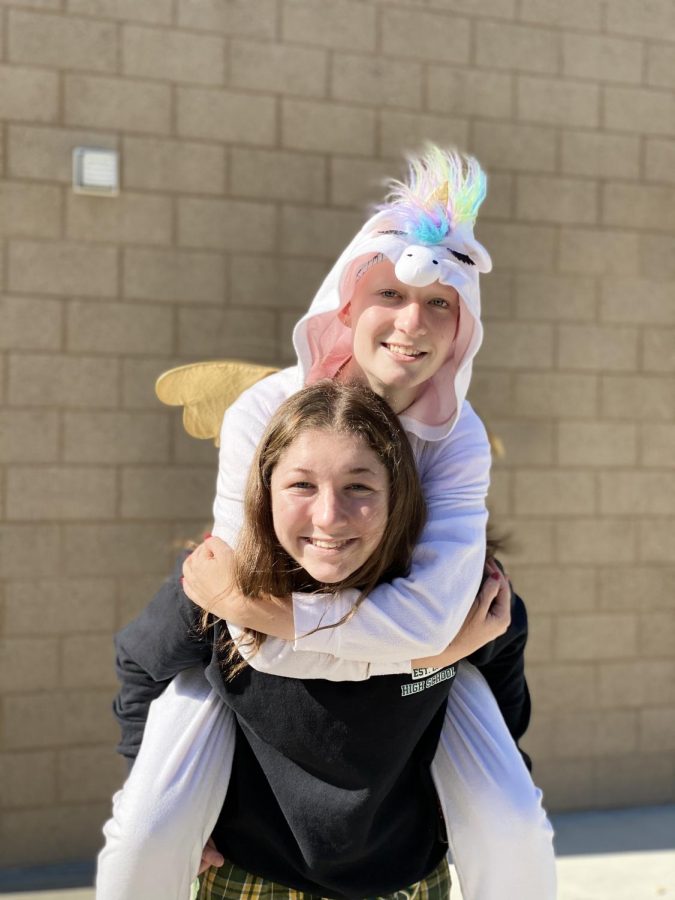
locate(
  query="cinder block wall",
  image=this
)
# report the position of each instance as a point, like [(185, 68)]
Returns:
[(251, 134)]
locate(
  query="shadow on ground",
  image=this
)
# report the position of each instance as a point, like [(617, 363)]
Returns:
[(615, 831)]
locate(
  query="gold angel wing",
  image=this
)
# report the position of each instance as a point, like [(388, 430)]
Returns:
[(497, 447), (496, 444), (205, 390)]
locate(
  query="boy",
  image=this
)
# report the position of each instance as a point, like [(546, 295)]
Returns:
[(399, 310)]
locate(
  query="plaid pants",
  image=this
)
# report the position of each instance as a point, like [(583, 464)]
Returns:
[(229, 882)]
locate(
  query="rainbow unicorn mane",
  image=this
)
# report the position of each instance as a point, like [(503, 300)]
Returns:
[(444, 188)]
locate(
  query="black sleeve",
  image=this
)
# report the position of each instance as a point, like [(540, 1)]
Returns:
[(502, 664), (162, 641)]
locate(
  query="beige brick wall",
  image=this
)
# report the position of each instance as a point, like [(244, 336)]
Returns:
[(252, 133)]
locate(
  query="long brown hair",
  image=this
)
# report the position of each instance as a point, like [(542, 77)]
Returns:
[(262, 566)]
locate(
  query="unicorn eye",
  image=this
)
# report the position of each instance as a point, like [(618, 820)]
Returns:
[(462, 257)]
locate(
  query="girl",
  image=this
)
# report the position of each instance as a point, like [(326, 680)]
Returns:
[(333, 502), (400, 310)]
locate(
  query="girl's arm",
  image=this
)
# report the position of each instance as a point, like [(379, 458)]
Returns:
[(163, 640)]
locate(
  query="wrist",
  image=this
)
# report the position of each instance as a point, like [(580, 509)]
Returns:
[(448, 657), (269, 615)]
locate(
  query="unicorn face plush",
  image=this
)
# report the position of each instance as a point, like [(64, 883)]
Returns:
[(418, 266), (424, 230)]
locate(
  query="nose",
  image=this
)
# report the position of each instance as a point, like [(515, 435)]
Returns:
[(329, 510), (410, 319)]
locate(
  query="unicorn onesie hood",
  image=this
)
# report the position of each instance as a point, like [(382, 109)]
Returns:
[(425, 229)]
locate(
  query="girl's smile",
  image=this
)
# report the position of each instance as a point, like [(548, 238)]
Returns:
[(330, 499)]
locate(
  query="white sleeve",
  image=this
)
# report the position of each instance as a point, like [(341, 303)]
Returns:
[(419, 615), (283, 658), (241, 431)]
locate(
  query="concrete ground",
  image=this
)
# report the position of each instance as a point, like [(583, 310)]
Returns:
[(612, 855)]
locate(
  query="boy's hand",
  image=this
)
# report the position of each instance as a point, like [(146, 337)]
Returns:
[(208, 576), (208, 580), (488, 618)]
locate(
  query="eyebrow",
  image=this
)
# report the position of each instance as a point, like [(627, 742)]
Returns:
[(357, 470)]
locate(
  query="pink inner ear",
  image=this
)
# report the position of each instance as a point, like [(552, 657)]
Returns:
[(345, 314), (330, 345)]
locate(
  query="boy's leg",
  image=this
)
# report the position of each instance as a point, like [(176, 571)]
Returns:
[(168, 807), (501, 841)]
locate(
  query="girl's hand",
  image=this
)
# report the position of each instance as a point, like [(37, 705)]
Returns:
[(208, 580), (488, 618), (211, 856)]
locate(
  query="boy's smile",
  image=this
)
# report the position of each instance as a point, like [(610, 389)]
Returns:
[(402, 334)]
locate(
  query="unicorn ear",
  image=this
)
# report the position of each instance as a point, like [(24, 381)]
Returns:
[(462, 238), (481, 257)]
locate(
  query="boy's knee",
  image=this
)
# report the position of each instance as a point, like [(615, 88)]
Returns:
[(513, 817)]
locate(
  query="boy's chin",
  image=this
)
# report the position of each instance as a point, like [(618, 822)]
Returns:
[(396, 380)]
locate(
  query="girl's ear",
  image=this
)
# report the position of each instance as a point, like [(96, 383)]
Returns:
[(345, 315)]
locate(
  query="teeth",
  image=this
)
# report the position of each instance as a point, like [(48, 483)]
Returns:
[(327, 545), (404, 351)]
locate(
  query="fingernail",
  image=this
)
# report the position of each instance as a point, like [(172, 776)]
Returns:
[(207, 536), (182, 579), (494, 575)]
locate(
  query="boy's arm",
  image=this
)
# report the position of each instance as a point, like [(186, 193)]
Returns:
[(162, 641), (410, 618), (502, 664), (208, 568)]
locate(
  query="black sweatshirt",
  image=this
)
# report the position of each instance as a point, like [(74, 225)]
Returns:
[(330, 789)]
